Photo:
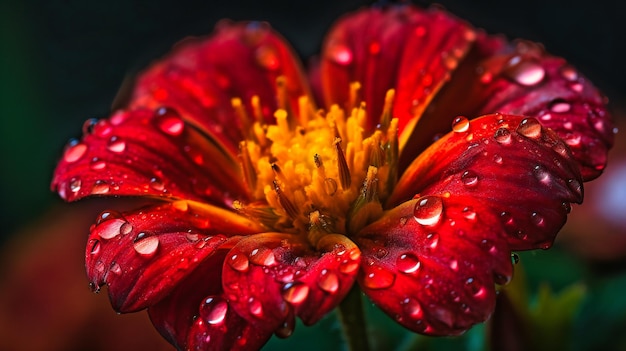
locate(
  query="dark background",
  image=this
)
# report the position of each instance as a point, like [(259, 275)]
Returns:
[(62, 62)]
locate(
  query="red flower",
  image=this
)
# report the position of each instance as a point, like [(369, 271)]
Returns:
[(266, 208)]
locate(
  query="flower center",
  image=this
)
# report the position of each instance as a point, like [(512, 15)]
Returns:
[(319, 173)]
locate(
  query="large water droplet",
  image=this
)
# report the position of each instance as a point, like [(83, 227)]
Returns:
[(116, 145), (560, 106), (295, 293), (255, 307), (525, 72), (432, 240), (267, 57), (514, 258), (239, 262), (115, 268), (408, 263), (157, 184), (286, 329), (537, 219), (110, 229), (469, 178), (95, 246), (428, 210), (145, 244), (530, 128), (169, 121), (75, 184), (502, 136), (460, 124), (339, 53), (100, 187), (97, 164), (475, 288), (377, 277), (328, 281), (541, 174), (214, 310), (263, 257), (74, 151), (412, 308)]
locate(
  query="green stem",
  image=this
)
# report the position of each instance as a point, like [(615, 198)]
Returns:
[(352, 320)]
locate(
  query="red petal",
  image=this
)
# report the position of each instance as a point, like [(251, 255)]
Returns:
[(521, 171), (271, 278), (433, 267), (143, 152), (143, 255), (201, 76), (194, 316), (402, 47), (522, 79)]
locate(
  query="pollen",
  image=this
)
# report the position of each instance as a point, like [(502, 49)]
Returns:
[(320, 172)]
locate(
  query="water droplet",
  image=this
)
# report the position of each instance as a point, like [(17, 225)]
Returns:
[(286, 329), (541, 174), (469, 213), (475, 288), (432, 239), (460, 124), (575, 186), (536, 218), (157, 184), (255, 307), (195, 155), (428, 210), (97, 164), (99, 267), (330, 186), (116, 145), (328, 281), (146, 245), (339, 53), (497, 159), (573, 139), (267, 57), (530, 128), (577, 87), (560, 106), (525, 72), (569, 73), (169, 121), (377, 277), (75, 184), (263, 257), (502, 136), (74, 151), (100, 187), (118, 117), (412, 308), (126, 228), (454, 265), (95, 246), (110, 229), (214, 310), (115, 268), (239, 263), (295, 293), (408, 263), (469, 178)]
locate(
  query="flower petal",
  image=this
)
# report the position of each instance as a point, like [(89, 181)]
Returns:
[(194, 316), (144, 152), (143, 255), (201, 76), (434, 271), (522, 79), (401, 47), (520, 170), (271, 278)]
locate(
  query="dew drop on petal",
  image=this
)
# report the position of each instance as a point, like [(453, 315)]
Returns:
[(339, 53), (100, 187), (75, 185), (239, 262), (328, 281), (469, 178), (428, 210), (575, 186), (97, 164), (526, 73), (541, 174), (432, 239), (157, 184), (514, 258), (502, 136), (377, 277), (255, 307), (95, 246), (263, 257), (115, 268), (412, 308), (536, 218), (560, 106), (569, 73), (577, 87), (469, 213), (530, 128), (116, 145), (295, 293), (286, 329), (475, 288), (460, 124), (214, 310), (99, 267), (74, 151), (497, 159), (168, 121), (408, 263), (110, 229), (146, 245)]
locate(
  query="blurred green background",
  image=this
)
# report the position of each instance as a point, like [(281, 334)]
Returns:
[(62, 62)]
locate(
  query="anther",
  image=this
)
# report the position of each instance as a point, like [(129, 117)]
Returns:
[(343, 170), (256, 109), (247, 167), (385, 117), (287, 205), (241, 113), (354, 94)]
